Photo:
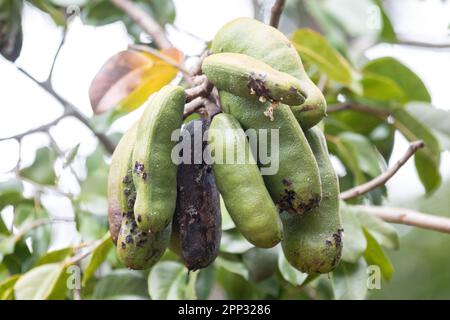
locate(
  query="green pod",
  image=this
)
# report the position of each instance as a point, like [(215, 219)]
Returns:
[(139, 249), (267, 44), (313, 243), (295, 186), (241, 185), (135, 248), (248, 77), (118, 170), (154, 172)]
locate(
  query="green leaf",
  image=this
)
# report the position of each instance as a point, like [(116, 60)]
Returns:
[(7, 287), (163, 10), (11, 35), (46, 6), (40, 239), (235, 267), (96, 161), (91, 226), (41, 171), (101, 12), (205, 282), (70, 156), (98, 257), (387, 33), (289, 273), (54, 256), (191, 287), (120, 284), (379, 87), (436, 119), (7, 244), (350, 281), (427, 159), (383, 232), (368, 157), (261, 263), (20, 260), (41, 283), (233, 242), (236, 287), (374, 255), (94, 184), (11, 193), (23, 213), (168, 281), (315, 48), (348, 155), (410, 84), (354, 240)]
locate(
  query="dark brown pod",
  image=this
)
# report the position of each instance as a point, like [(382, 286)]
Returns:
[(197, 220)]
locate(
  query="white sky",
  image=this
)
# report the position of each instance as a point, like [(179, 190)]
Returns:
[(23, 105)]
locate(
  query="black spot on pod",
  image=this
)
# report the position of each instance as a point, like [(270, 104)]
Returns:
[(197, 218)]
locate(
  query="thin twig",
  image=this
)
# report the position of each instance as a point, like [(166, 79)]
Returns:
[(385, 176), (161, 56), (277, 9), (55, 146), (187, 76), (40, 222), (42, 128), (358, 107), (61, 44), (409, 40), (42, 187), (188, 33), (145, 21), (409, 217), (71, 110), (81, 256)]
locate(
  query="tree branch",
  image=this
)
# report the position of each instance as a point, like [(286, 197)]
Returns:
[(384, 177), (383, 114), (145, 21), (40, 222), (71, 110), (277, 9), (42, 128), (409, 217)]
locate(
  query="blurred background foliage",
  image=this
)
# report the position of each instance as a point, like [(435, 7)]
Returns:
[(332, 37)]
